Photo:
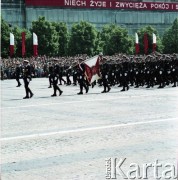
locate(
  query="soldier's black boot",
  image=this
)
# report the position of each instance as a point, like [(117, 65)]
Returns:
[(60, 92), (104, 91), (31, 95), (87, 89), (80, 93), (53, 95), (174, 84), (55, 89), (26, 97), (109, 89)]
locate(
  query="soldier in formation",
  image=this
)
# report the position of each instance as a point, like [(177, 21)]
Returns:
[(81, 77), (18, 73), (120, 70), (55, 78), (27, 78)]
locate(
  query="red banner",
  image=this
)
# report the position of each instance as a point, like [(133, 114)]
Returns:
[(105, 4), (145, 43), (23, 44), (11, 47), (35, 50), (137, 48)]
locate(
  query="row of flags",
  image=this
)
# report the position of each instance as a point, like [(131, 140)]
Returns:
[(35, 45), (145, 41)]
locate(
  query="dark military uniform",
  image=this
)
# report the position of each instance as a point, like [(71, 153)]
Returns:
[(125, 76), (104, 74), (2, 73), (61, 76), (17, 75), (55, 78), (174, 73), (50, 71), (81, 78), (68, 73), (74, 73), (27, 79), (125, 80)]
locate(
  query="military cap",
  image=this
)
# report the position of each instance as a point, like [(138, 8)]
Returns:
[(27, 61)]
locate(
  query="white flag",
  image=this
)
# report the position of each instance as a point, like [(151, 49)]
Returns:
[(154, 38), (35, 39), (136, 38), (11, 39)]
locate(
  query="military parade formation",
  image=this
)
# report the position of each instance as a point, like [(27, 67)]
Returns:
[(120, 70)]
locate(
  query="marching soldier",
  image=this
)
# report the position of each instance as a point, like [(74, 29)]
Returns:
[(27, 79), (174, 72), (74, 74), (55, 78), (17, 74), (2, 73), (125, 75), (68, 72), (161, 81), (50, 71), (125, 80), (104, 79), (81, 77), (61, 75)]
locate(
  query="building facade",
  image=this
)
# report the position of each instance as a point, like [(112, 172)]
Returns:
[(131, 15)]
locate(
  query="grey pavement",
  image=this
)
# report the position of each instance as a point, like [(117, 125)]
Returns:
[(69, 137)]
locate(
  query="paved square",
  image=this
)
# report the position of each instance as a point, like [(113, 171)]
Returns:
[(70, 137)]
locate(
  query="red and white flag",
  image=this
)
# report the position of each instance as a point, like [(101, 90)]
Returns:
[(11, 45), (137, 48), (23, 44), (35, 45), (92, 69), (154, 42)]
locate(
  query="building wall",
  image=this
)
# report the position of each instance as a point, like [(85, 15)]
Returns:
[(13, 11), (132, 20), (17, 14)]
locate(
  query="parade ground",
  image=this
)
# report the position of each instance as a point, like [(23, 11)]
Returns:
[(73, 137)]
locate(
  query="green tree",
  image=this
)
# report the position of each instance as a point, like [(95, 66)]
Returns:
[(170, 38), (63, 36), (149, 30), (115, 39), (83, 39), (98, 44), (5, 38), (48, 42)]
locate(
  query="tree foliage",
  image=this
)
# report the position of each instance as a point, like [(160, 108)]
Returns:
[(116, 40), (48, 42), (54, 38), (5, 38), (63, 36), (83, 38), (170, 38)]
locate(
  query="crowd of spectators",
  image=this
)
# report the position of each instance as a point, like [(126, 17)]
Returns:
[(40, 64)]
